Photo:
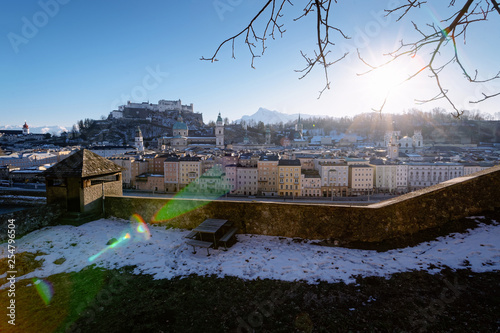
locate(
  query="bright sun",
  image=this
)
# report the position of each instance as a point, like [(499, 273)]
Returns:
[(382, 80), (389, 80)]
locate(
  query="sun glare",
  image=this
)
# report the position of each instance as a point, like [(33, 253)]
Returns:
[(391, 80), (383, 80)]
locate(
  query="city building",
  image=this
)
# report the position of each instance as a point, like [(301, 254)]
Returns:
[(181, 140), (289, 178), (150, 182), (232, 177), (247, 183), (311, 183), (267, 170), (385, 176), (401, 178), (171, 172), (139, 167), (361, 179), (125, 162), (190, 169), (405, 144), (212, 183), (422, 175), (25, 160), (334, 177)]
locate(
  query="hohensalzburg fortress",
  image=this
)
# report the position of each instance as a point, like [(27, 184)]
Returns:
[(162, 106)]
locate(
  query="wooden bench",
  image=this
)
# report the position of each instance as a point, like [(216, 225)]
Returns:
[(191, 235), (194, 243), (228, 236)]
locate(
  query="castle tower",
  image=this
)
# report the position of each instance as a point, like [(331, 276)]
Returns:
[(26, 129), (268, 136), (139, 141), (219, 132)]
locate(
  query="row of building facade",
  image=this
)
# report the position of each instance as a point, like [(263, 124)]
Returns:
[(270, 175)]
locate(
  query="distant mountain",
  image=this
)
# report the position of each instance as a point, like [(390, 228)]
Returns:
[(39, 130), (273, 117)]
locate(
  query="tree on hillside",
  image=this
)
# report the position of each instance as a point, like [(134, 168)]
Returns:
[(261, 126), (433, 39)]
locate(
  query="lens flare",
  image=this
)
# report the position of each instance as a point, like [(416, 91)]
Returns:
[(111, 246), (44, 289), (142, 227), (208, 187)]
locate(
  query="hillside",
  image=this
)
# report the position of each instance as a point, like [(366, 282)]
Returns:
[(122, 131)]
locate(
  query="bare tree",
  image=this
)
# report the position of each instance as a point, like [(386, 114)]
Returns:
[(433, 39)]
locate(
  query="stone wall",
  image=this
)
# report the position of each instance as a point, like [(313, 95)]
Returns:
[(407, 214), (56, 194), (30, 219), (91, 196)]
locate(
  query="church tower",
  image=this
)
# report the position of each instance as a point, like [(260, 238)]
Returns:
[(139, 141), (418, 140), (393, 147), (219, 133), (299, 127), (268, 136), (26, 129)]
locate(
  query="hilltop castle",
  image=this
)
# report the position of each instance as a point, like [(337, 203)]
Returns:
[(136, 110)]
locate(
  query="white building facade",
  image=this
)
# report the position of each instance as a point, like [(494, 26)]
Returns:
[(422, 175)]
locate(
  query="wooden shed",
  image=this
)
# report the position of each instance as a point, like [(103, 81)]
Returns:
[(80, 181)]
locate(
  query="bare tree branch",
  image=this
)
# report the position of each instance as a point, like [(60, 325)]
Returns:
[(433, 39), (436, 40)]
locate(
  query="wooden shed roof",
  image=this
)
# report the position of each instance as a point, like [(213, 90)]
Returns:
[(83, 164)]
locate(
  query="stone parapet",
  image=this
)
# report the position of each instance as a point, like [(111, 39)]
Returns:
[(404, 215)]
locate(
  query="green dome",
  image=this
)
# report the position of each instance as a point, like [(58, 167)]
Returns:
[(180, 126)]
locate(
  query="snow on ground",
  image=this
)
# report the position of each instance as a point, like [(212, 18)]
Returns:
[(166, 255)]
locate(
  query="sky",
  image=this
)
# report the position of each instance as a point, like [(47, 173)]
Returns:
[(66, 60)]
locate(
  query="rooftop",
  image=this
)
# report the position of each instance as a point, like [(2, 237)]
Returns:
[(82, 164)]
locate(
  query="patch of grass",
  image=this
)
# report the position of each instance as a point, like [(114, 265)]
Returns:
[(112, 241), (72, 294), (59, 261), (25, 262), (96, 300)]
